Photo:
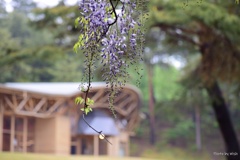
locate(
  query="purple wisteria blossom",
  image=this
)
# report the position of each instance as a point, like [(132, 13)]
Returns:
[(110, 35)]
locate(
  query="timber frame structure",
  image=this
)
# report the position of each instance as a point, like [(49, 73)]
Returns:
[(31, 116)]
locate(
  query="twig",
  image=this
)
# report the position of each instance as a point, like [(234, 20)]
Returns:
[(115, 14), (110, 24), (99, 132), (90, 72)]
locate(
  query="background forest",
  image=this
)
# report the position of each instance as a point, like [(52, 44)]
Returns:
[(177, 117)]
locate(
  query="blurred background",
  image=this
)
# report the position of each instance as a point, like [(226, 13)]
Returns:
[(191, 47)]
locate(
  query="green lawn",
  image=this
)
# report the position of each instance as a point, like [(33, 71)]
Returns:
[(22, 156), (151, 154), (176, 154)]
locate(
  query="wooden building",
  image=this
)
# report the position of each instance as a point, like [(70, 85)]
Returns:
[(42, 118)]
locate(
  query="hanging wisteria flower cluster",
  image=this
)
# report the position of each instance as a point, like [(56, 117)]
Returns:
[(111, 36)]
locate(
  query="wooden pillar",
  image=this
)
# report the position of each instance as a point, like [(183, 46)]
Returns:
[(112, 150), (25, 134), (12, 136), (126, 141), (127, 147), (1, 125), (95, 145), (109, 147), (78, 145), (117, 143)]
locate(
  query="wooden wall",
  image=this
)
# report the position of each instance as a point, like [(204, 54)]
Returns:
[(63, 135), (120, 142), (52, 135)]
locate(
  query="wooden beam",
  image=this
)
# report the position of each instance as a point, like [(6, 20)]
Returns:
[(104, 98), (22, 103), (55, 106), (120, 111), (131, 107), (62, 111), (1, 124), (100, 105), (9, 113), (132, 120), (14, 100), (9, 103), (25, 134), (12, 133), (121, 97), (40, 104), (39, 115), (31, 105), (98, 95), (106, 105), (125, 102)]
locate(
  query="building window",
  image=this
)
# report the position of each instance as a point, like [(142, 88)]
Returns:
[(87, 145), (103, 147), (6, 133), (18, 133), (30, 134), (18, 137)]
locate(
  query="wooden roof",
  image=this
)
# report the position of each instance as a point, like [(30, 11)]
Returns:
[(49, 99)]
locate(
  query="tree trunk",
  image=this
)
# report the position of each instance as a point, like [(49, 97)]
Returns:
[(224, 121), (151, 104), (198, 128)]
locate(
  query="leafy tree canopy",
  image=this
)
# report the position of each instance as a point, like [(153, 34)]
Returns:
[(203, 24)]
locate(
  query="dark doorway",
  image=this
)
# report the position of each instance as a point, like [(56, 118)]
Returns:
[(73, 150)]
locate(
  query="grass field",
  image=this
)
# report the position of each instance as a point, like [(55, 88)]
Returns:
[(176, 154), (164, 155), (22, 156)]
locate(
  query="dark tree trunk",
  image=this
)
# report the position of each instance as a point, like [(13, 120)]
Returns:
[(151, 104), (198, 128), (224, 121)]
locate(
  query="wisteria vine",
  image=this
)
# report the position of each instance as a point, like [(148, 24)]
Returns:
[(111, 37)]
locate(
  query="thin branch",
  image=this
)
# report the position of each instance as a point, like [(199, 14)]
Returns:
[(110, 24), (86, 96), (90, 71), (116, 4), (90, 125), (99, 132), (115, 14), (89, 81)]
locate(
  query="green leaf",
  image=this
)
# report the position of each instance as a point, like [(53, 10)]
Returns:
[(86, 110), (90, 101), (113, 15), (79, 100), (76, 46), (77, 22)]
